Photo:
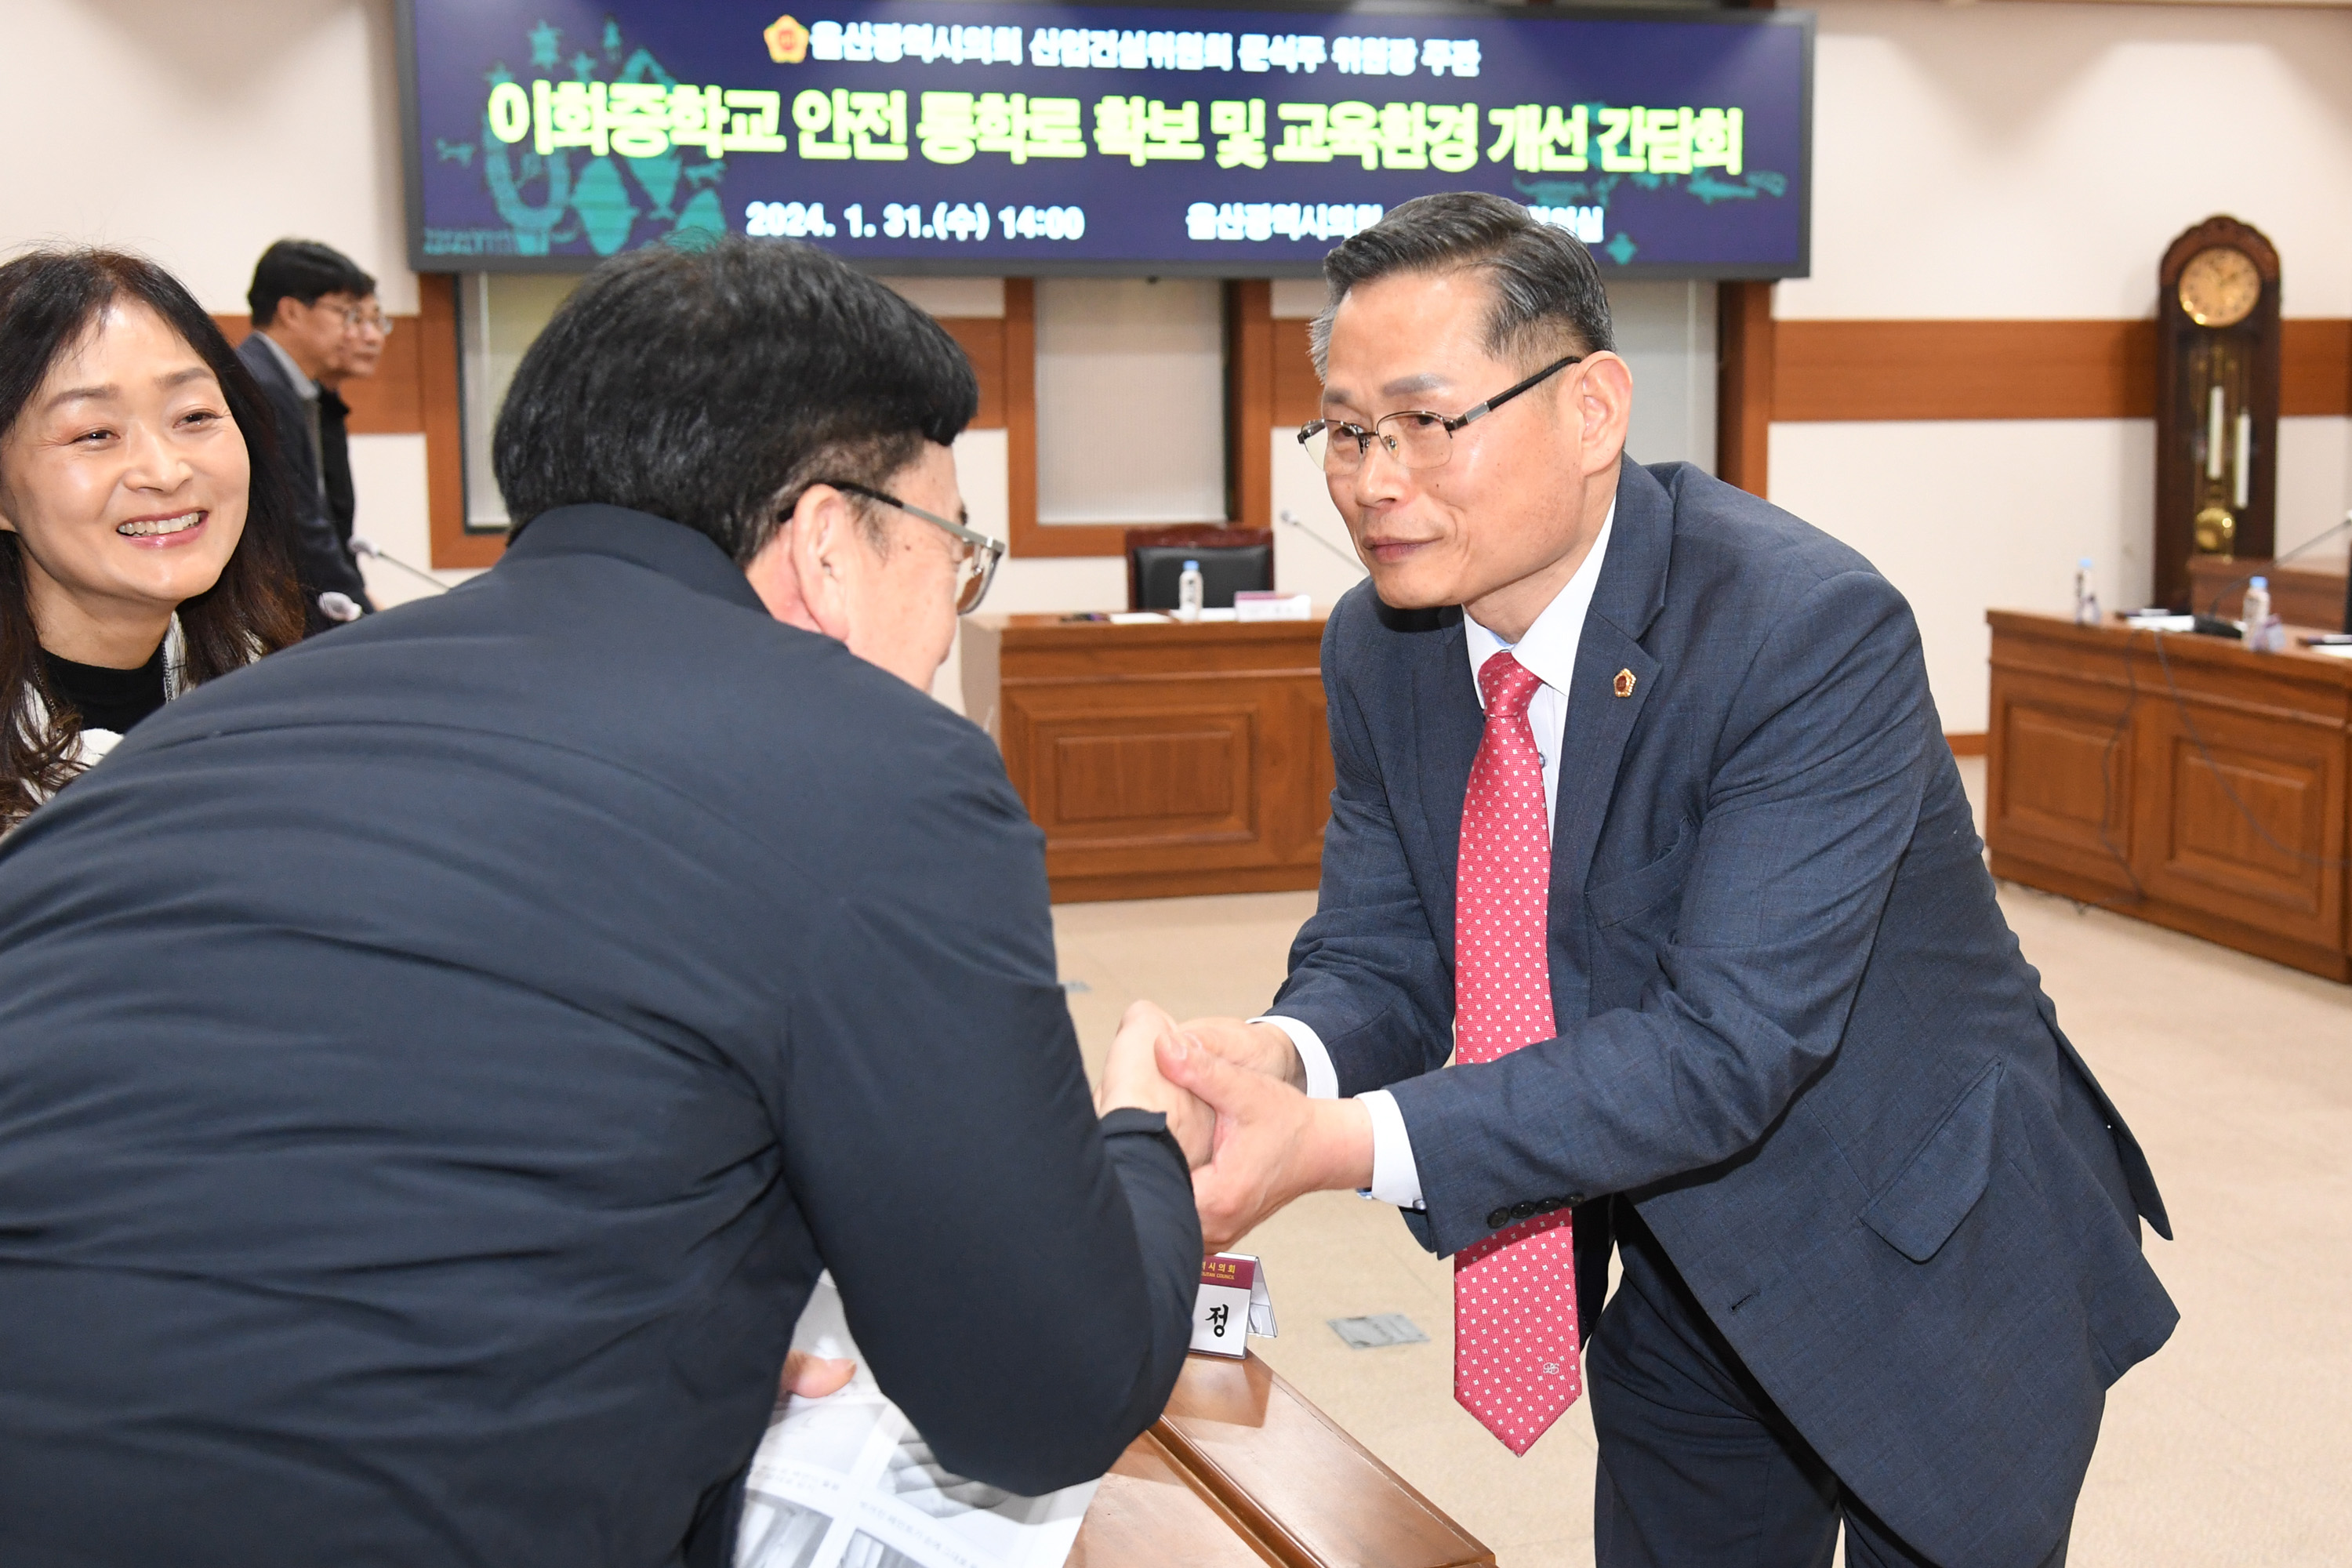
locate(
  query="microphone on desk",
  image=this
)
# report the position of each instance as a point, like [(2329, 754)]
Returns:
[(2213, 610), (1292, 518), (364, 546)]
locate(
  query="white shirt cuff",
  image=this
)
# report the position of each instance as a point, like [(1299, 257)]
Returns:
[(1395, 1178), (1322, 1078)]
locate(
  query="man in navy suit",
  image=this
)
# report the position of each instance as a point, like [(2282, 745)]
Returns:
[(1642, 800)]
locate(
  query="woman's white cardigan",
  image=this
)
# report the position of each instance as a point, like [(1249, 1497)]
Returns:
[(33, 715)]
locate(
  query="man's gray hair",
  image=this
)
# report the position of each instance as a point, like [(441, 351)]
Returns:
[(1549, 300)]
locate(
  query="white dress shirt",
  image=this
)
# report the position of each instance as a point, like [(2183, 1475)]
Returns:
[(1549, 652)]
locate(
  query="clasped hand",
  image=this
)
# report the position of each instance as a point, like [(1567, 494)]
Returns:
[(1233, 1095)]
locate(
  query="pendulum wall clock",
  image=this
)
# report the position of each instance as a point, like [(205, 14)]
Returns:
[(2217, 400)]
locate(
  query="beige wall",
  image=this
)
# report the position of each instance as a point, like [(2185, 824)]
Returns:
[(2014, 162)]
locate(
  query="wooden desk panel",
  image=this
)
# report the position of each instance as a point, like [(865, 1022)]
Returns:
[(1159, 760), (2197, 785), (1242, 1471)]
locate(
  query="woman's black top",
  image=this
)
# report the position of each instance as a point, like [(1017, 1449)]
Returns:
[(107, 698)]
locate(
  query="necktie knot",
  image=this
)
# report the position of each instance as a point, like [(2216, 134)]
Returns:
[(1507, 685)]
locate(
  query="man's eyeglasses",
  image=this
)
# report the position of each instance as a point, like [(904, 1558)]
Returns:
[(356, 319), (976, 565), (1413, 436)]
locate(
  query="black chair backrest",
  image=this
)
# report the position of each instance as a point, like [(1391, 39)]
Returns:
[(1225, 570)]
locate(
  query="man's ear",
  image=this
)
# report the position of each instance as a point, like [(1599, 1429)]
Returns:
[(1604, 405), (799, 574)]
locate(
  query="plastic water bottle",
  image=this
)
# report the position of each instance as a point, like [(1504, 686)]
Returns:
[(2086, 595), (2262, 630), (1189, 593)]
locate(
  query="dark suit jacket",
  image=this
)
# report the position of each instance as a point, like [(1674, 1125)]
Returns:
[(436, 1061), (323, 562), (1795, 1028)]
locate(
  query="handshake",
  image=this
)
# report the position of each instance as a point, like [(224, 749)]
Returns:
[(1235, 1096)]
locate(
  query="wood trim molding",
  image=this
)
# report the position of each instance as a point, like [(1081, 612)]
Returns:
[(1966, 742), (1249, 402), (1745, 343), (1873, 370), (445, 430), (1298, 390), (981, 338)]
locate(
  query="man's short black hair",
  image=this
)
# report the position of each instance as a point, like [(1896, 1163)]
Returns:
[(1548, 300), (302, 271), (712, 386)]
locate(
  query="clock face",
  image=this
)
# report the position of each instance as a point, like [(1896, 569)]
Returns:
[(2220, 286)]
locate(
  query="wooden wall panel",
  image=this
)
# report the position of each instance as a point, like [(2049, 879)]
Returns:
[(444, 431), (1249, 402), (1963, 370), (1745, 341), (1298, 390), (983, 340), (2314, 367), (2004, 370)]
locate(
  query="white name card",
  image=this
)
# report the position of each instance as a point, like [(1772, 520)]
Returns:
[(1233, 1304)]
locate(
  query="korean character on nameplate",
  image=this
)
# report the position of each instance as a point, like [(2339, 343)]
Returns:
[(1233, 1302), (1239, 126)]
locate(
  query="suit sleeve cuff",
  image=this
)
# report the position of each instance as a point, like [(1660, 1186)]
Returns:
[(1322, 1078), (1396, 1179)]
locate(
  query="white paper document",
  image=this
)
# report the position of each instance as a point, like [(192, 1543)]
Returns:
[(847, 1482)]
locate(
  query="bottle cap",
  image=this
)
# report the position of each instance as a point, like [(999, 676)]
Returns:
[(2085, 563), (1192, 566), (2262, 582)]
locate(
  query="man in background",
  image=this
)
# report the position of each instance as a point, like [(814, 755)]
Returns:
[(309, 301), (365, 328)]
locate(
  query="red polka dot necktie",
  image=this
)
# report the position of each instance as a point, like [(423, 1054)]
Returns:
[(1514, 1348)]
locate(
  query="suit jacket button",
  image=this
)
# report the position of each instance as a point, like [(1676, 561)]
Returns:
[(1497, 1219)]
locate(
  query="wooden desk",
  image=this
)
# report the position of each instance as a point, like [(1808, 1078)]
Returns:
[(2302, 595), (2203, 790), (1159, 760), (1242, 1472)]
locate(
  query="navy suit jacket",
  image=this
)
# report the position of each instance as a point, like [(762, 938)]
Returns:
[(1795, 1031), (436, 1061), (323, 562)]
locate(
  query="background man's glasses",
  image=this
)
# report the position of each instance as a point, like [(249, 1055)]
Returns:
[(1413, 436), (370, 320), (975, 565)]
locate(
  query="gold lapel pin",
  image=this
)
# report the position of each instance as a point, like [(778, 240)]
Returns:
[(1624, 683)]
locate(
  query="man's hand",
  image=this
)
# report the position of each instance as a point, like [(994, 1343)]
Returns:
[(814, 1376), (1261, 1048), (1131, 1078), (1271, 1142)]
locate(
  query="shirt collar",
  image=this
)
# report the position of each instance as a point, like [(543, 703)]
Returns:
[(681, 553), (1548, 650), (304, 387)]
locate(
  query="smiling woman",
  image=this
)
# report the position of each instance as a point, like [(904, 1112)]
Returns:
[(142, 523)]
